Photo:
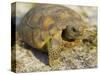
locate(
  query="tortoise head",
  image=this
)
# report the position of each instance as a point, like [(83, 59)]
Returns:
[(71, 33)]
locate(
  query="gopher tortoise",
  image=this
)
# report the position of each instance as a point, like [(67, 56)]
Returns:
[(49, 27)]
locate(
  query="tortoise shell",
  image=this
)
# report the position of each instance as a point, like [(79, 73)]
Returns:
[(44, 21)]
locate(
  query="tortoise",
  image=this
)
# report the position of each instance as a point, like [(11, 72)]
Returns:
[(49, 27)]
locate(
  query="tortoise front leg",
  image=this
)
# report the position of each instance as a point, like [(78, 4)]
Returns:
[(54, 51)]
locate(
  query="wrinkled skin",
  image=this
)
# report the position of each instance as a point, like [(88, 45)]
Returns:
[(50, 26)]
